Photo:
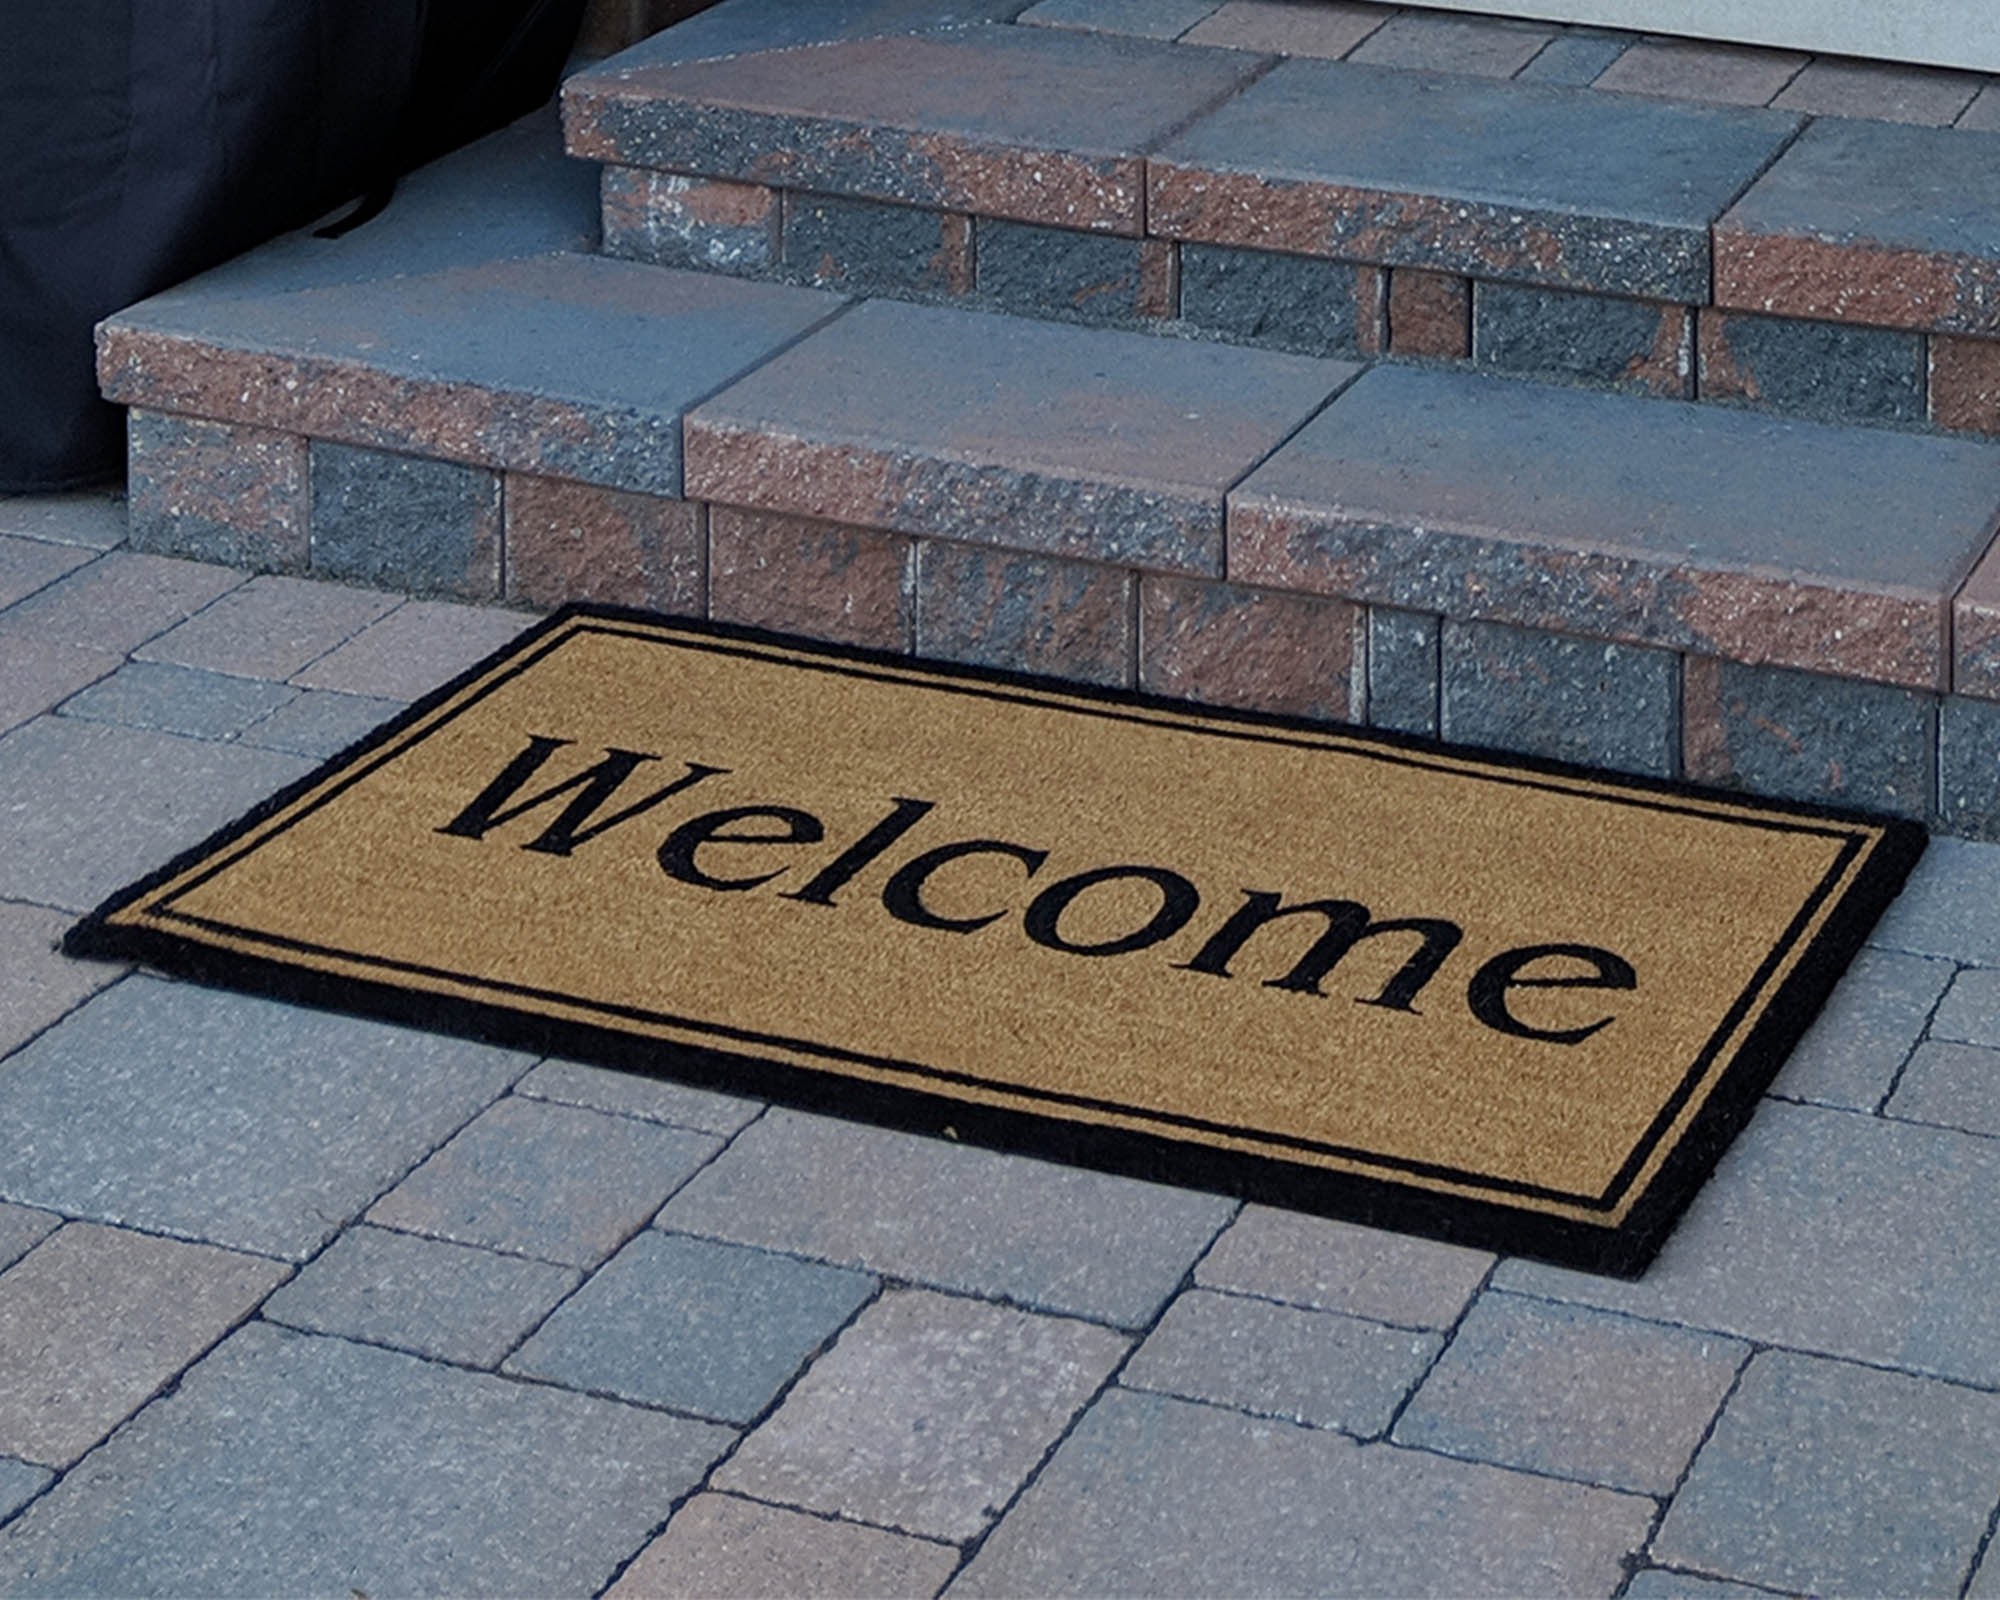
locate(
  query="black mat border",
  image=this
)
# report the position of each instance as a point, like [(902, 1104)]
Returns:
[(1623, 1251)]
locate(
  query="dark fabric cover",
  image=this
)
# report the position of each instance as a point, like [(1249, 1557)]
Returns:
[(142, 141)]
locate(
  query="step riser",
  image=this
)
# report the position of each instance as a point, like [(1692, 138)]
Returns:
[(277, 501)]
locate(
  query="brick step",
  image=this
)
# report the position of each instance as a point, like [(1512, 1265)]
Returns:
[(1829, 266), (1794, 607)]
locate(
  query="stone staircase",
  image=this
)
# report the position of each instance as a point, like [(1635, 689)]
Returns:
[(1625, 431)]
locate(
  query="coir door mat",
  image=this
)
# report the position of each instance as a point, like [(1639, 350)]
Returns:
[(1499, 1001)]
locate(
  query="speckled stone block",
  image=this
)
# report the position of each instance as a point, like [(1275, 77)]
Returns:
[(1871, 222), (926, 1414), (1071, 619), (1964, 384), (672, 220), (917, 119), (1403, 671), (1078, 442), (865, 247), (1573, 1393), (1623, 517), (1151, 1495), (1802, 736), (574, 541), (1063, 272), (1225, 645), (216, 492), (402, 522), (1634, 344), (1281, 1361), (1339, 1266), (693, 1325), (1555, 186), (1976, 631), (1580, 700), (1826, 1478), (1865, 1032), (1304, 303), (1429, 314), (1818, 369), (1951, 1085), (823, 579), (1968, 777)]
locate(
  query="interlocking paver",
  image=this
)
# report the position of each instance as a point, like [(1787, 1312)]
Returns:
[(1573, 1393), (21, 1229), (721, 1548), (320, 722), (1970, 1012), (1575, 58), (1481, 47), (449, 1301), (86, 807), (1952, 1085), (1055, 1237), (1148, 19), (90, 517), (413, 650), (1835, 88), (290, 1464), (1950, 907), (926, 1414), (1151, 1495), (94, 1320), (1326, 28), (630, 1094), (36, 674), (1825, 1230), (550, 1181), (1986, 1581), (20, 1482), (1968, 775), (1850, 1056), (36, 984), (1337, 1266), (1308, 1366), (1688, 69), (1983, 115), (27, 565), (229, 1119), (1826, 1478), (693, 1325), (1657, 1583), (120, 600), (270, 627), (202, 705)]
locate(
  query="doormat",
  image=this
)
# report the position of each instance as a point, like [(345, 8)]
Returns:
[(1505, 1002)]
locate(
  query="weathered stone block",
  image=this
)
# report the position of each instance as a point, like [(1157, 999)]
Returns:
[(573, 541), (824, 579), (673, 220), (1581, 700), (1481, 47), (1968, 800), (1821, 369), (1065, 273), (1231, 646), (867, 247), (1636, 344), (1965, 382), (1304, 303), (1976, 631), (1430, 314), (402, 522), (1071, 619), (1695, 69), (1403, 671), (1803, 736), (217, 492)]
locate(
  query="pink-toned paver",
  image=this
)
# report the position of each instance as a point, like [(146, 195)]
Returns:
[(270, 628), (37, 673), (121, 600), (1337, 1266), (36, 984), (1838, 88), (414, 649), (1328, 28), (1686, 69), (1480, 47)]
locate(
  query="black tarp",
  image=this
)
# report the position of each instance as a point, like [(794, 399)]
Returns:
[(142, 141)]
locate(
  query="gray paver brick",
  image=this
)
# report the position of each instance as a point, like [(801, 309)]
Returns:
[(1403, 670), (1151, 1495), (36, 984), (1968, 799), (1324, 28), (1149, 19), (1833, 1479), (36, 674), (429, 527), (1061, 272), (1986, 1581), (631, 1095), (864, 246), (1575, 58), (1866, 1031), (1657, 1583), (1302, 303), (27, 565), (216, 492), (1485, 47), (1338, 1266), (1308, 1366), (120, 600), (86, 807), (1690, 69), (1949, 907), (554, 1182), (270, 627), (90, 517), (926, 1414), (1970, 1013), (20, 1482), (721, 1548), (1880, 89), (1631, 344), (413, 650), (320, 722), (1054, 1237), (21, 1229), (693, 1325), (202, 705), (231, 1119), (289, 1464), (1573, 1393), (94, 1320), (1824, 1230), (1952, 1085), (1823, 369), (436, 1299)]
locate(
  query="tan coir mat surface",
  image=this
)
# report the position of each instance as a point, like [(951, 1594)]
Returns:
[(1509, 1003)]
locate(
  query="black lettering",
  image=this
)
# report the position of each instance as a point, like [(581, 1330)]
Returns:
[(1178, 902), (903, 894), (843, 868), (594, 786), (1487, 993), (677, 854), (1348, 922)]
